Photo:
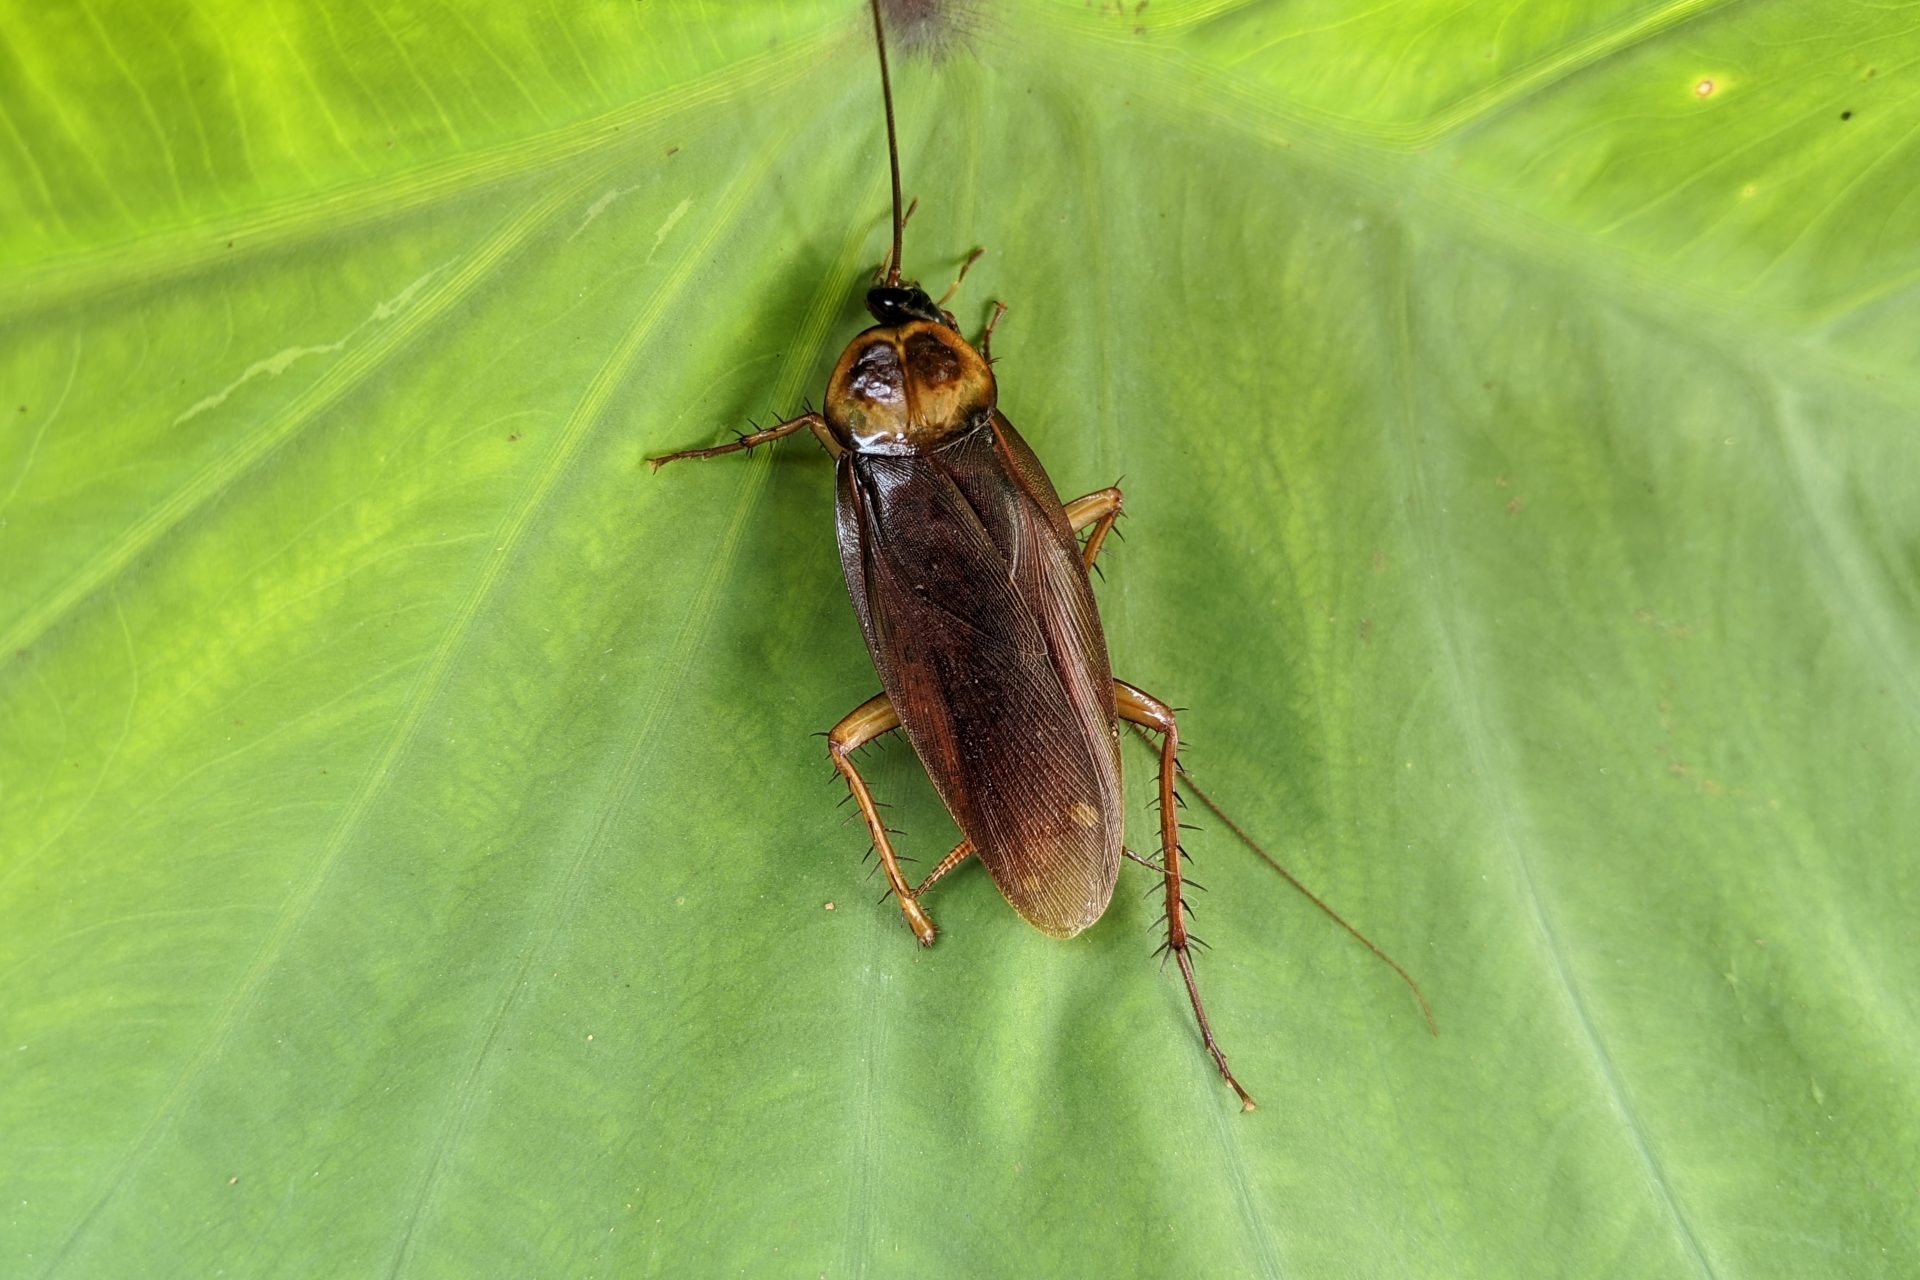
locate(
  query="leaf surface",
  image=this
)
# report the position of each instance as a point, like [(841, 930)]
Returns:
[(413, 858)]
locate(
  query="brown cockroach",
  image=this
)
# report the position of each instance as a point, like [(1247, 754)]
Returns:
[(970, 581)]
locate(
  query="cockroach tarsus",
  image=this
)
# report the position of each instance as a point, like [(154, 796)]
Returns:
[(970, 580)]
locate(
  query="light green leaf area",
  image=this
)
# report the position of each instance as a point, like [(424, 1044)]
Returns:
[(413, 856)]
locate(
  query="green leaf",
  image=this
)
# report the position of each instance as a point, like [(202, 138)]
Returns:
[(413, 858)]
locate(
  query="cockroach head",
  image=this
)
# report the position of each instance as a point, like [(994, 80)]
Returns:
[(895, 304)]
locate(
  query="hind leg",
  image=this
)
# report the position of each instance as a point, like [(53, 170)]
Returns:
[(1144, 709)]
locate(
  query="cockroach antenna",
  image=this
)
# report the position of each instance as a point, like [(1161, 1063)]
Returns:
[(893, 146)]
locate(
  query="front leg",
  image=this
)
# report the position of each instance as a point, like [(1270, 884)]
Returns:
[(1141, 708), (986, 336)]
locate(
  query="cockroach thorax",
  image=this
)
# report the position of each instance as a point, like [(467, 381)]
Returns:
[(907, 388)]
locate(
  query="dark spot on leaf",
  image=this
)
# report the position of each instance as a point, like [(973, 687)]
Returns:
[(933, 27), (1846, 115)]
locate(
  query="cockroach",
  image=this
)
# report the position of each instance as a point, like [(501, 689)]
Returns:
[(970, 581)]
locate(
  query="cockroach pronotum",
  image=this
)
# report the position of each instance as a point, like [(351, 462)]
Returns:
[(970, 581)]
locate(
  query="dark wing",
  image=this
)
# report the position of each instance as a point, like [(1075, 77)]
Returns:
[(982, 625)]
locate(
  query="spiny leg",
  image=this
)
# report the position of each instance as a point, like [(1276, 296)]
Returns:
[(862, 725), (1141, 708), (1099, 509), (747, 442), (961, 852)]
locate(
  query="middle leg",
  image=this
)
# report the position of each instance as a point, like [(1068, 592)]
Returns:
[(1099, 509), (862, 725), (961, 852)]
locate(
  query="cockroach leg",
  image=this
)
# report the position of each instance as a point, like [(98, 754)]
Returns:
[(1137, 707), (866, 722), (1099, 509), (961, 852), (986, 335), (964, 268), (812, 421)]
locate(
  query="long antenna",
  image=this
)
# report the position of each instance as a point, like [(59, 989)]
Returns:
[(893, 147), (1426, 1011), (1186, 780)]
